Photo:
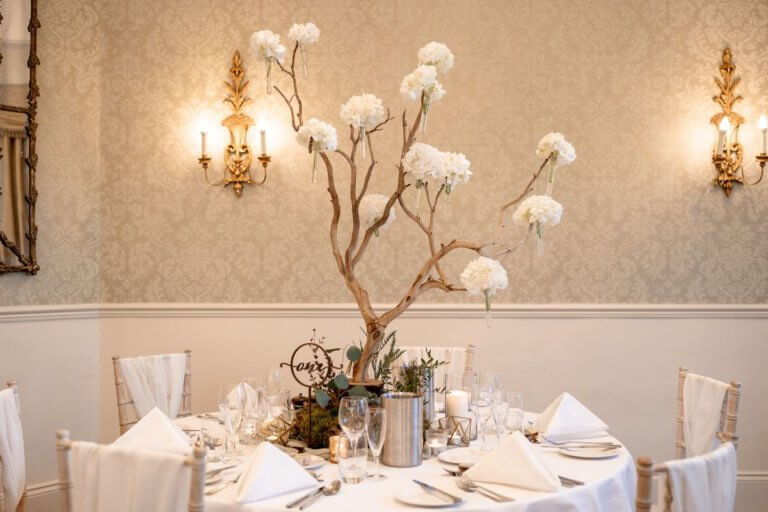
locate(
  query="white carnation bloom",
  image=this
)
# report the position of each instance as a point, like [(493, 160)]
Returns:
[(422, 79), (541, 209), (438, 55), (422, 162), (265, 44), (323, 135), (304, 33), (555, 143), (484, 276), (363, 111), (455, 169), (372, 209)]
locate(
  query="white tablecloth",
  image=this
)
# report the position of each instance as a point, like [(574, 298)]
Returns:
[(609, 487)]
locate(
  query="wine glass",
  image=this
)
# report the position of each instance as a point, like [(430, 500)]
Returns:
[(231, 406), (376, 431), (516, 411), (352, 415), (481, 400), (500, 413)]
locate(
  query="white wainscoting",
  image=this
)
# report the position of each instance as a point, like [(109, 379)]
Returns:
[(621, 360)]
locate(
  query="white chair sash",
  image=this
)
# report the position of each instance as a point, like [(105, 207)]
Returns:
[(11, 450), (155, 381)]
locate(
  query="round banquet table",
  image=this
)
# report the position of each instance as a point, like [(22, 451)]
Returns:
[(609, 486)]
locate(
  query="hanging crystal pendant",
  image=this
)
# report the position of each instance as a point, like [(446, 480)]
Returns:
[(362, 137), (314, 162), (488, 319), (551, 174), (539, 239), (304, 61), (269, 75)]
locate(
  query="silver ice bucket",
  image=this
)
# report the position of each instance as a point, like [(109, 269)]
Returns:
[(404, 443)]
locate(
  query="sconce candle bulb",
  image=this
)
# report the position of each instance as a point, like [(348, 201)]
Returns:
[(762, 123), (263, 134), (723, 128), (203, 136)]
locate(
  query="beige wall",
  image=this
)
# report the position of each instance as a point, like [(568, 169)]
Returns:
[(122, 197)]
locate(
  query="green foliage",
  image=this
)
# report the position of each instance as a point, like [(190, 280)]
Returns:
[(358, 391), (384, 358), (322, 397), (341, 381), (414, 377), (354, 354), (324, 424)]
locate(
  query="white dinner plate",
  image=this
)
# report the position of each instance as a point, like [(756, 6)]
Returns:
[(423, 499), (312, 462), (465, 455), (591, 454)]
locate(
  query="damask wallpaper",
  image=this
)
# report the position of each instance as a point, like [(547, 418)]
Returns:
[(126, 215)]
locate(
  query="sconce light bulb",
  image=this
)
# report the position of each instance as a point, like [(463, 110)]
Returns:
[(762, 123), (725, 125)]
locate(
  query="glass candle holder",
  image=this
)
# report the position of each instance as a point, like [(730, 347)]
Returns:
[(436, 439)]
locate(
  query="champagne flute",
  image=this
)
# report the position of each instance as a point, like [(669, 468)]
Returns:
[(500, 413), (481, 400), (231, 405), (376, 431)]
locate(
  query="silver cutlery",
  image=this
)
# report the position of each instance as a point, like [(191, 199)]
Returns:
[(569, 482), (312, 494), (328, 490), (586, 448), (210, 416), (214, 472), (576, 441), (466, 484), (438, 492), (224, 485)]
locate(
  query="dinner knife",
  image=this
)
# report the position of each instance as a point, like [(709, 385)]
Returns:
[(311, 494), (439, 492)]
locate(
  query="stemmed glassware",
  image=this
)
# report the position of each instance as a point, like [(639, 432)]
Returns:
[(516, 412), (270, 381), (352, 419), (231, 406), (482, 400), (376, 431), (500, 413)]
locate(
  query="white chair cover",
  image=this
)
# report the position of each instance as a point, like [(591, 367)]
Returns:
[(118, 480), (155, 381), (706, 483), (11, 450), (702, 405)]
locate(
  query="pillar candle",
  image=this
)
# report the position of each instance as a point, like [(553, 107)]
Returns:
[(457, 403), (763, 125), (263, 142), (203, 134)]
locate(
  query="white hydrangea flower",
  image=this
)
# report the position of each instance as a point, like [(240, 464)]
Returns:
[(265, 45), (538, 209), (304, 33), (323, 135), (455, 169), (484, 276), (422, 79), (372, 209), (363, 111), (423, 162), (438, 55), (555, 143)]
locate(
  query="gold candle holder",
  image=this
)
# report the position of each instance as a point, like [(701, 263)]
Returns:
[(333, 449)]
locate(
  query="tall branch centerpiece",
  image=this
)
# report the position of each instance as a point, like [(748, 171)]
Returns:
[(435, 175)]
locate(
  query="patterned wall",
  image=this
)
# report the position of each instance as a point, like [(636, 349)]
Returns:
[(628, 83)]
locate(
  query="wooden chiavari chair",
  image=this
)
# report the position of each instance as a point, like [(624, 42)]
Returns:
[(196, 461), (126, 409), (20, 508)]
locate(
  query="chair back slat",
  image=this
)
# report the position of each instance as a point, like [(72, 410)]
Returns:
[(729, 414), (127, 415), (196, 462)]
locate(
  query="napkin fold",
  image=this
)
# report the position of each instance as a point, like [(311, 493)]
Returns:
[(155, 432), (517, 463), (270, 472), (11, 450), (567, 418), (702, 404)]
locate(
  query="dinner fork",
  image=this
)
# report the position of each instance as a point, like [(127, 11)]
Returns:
[(224, 485), (466, 484), (576, 441)]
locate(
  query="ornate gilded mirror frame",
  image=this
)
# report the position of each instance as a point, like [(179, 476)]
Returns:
[(14, 256)]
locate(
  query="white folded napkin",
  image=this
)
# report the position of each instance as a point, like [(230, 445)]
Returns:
[(567, 418), (706, 483), (155, 432), (515, 462), (11, 450), (270, 472), (702, 404)]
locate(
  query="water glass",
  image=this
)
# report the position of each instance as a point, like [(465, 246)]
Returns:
[(500, 413), (376, 432), (515, 416), (231, 406), (353, 457)]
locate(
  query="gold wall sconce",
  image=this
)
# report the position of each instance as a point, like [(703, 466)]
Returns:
[(237, 154), (729, 153)]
